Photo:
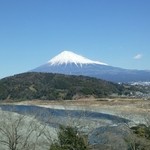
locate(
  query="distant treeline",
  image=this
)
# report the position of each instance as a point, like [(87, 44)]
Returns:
[(48, 86)]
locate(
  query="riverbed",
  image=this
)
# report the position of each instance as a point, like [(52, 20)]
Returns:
[(99, 119)]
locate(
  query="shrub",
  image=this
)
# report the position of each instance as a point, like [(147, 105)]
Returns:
[(69, 139)]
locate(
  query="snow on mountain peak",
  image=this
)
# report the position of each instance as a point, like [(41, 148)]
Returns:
[(67, 57)]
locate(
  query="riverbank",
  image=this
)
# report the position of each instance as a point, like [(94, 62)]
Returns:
[(105, 117), (136, 110)]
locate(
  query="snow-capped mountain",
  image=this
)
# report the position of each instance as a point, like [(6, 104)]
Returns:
[(68, 57), (72, 64)]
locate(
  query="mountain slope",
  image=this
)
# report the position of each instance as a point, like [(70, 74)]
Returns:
[(67, 57), (55, 86), (72, 64)]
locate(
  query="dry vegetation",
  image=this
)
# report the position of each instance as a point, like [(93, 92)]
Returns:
[(133, 109), (137, 110)]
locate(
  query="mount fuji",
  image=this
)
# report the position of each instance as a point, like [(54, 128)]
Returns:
[(70, 63)]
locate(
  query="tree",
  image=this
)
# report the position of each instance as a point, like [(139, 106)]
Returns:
[(69, 139), (21, 132)]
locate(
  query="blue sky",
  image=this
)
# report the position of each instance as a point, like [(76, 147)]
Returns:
[(116, 32)]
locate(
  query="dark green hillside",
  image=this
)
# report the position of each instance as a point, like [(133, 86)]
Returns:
[(54, 86)]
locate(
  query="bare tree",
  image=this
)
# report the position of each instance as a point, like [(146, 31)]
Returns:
[(21, 132)]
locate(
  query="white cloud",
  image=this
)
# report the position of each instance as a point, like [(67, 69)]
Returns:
[(138, 56)]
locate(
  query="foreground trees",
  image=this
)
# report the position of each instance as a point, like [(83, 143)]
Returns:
[(140, 138), (70, 139), (20, 132)]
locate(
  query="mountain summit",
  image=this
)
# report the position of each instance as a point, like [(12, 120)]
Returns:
[(72, 64), (68, 57)]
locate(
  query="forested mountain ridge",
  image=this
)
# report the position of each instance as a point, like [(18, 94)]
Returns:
[(55, 86)]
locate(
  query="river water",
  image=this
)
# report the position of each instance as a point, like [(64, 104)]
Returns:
[(94, 124), (61, 116)]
